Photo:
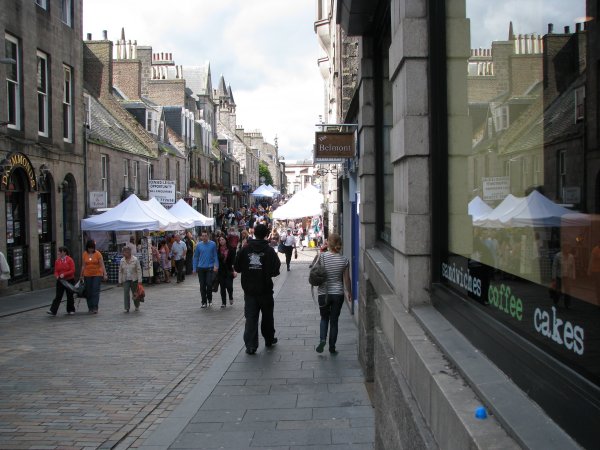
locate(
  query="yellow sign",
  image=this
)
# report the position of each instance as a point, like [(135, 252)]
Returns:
[(19, 160)]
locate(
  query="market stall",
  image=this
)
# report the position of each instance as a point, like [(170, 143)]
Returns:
[(185, 212)]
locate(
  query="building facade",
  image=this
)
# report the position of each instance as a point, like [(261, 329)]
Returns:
[(457, 308), (41, 137)]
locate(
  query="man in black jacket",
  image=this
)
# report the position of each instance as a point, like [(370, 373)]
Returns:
[(258, 263)]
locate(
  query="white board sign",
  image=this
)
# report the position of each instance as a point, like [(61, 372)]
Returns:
[(496, 188), (162, 190), (97, 199)]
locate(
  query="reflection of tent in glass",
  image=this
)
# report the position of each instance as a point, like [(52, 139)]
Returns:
[(492, 219), (478, 208)]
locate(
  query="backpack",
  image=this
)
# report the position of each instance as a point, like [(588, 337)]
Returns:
[(317, 275)]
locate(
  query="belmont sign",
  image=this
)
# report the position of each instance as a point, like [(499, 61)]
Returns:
[(334, 146)]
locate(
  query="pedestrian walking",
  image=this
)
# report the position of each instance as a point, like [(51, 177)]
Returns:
[(178, 251), (64, 271), (130, 274), (226, 274), (289, 244), (165, 260), (206, 264), (331, 293), (93, 272), (258, 263), (155, 263), (190, 244)]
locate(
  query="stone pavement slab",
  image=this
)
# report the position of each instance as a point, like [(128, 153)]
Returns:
[(284, 397)]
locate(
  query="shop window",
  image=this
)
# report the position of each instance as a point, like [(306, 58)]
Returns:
[(529, 259), (42, 94), (383, 125), (126, 174), (104, 173), (12, 52), (16, 226)]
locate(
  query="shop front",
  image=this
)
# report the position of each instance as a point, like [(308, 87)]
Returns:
[(33, 217)]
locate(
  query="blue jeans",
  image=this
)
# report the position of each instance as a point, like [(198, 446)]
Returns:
[(329, 317), (253, 306), (205, 278), (92, 292)]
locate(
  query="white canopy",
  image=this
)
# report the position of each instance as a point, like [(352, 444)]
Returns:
[(535, 210), (262, 191), (132, 214), (272, 189), (306, 203), (478, 208), (184, 211), (492, 220), (176, 222)]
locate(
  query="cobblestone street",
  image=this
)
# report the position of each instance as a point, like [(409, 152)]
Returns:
[(91, 381)]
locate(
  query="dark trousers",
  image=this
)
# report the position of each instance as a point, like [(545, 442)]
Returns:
[(226, 283), (205, 278), (189, 264), (180, 267), (288, 254), (253, 305), (60, 290), (155, 266), (329, 317), (92, 292)]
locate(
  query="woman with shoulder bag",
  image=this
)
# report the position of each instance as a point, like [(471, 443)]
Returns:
[(93, 272), (331, 293), (64, 271), (130, 274)]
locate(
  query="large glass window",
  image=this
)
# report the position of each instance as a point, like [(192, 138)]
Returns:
[(42, 93), (13, 81), (524, 171)]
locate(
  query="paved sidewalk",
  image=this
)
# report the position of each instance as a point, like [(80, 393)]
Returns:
[(286, 397)]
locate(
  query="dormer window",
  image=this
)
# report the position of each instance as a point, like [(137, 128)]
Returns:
[(152, 121), (579, 103)]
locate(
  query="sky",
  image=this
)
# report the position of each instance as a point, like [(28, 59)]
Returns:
[(490, 19), (266, 50)]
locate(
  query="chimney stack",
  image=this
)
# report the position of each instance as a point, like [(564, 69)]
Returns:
[(89, 36), (550, 28), (577, 27), (567, 29), (105, 35)]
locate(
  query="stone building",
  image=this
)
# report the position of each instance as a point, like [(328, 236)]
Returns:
[(449, 319), (42, 143)]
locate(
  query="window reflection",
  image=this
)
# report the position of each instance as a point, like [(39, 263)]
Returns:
[(524, 168)]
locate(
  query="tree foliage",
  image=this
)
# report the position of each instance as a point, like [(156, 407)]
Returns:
[(263, 171)]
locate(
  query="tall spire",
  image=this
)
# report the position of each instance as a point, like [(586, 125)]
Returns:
[(511, 34)]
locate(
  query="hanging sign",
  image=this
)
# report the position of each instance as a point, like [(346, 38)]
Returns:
[(334, 146)]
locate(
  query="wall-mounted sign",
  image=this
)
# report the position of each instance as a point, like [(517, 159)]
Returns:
[(98, 199), (162, 190), (496, 188), (19, 161), (334, 146), (571, 194)]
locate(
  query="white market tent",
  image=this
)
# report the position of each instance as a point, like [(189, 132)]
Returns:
[(535, 210), (175, 221), (478, 208), (306, 203), (492, 220), (132, 214), (184, 211), (262, 191), (273, 190)]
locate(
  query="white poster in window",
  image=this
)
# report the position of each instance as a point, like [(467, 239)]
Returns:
[(496, 188)]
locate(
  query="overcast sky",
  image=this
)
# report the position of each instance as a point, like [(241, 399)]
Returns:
[(266, 50)]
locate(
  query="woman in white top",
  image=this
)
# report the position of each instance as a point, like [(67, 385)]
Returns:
[(130, 274), (331, 293)]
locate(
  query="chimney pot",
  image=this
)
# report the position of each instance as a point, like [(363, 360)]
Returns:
[(550, 28), (567, 29), (577, 27), (105, 35), (89, 36)]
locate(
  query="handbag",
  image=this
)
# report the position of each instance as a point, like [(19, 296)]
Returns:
[(215, 283), (79, 289), (318, 274), (140, 293)]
